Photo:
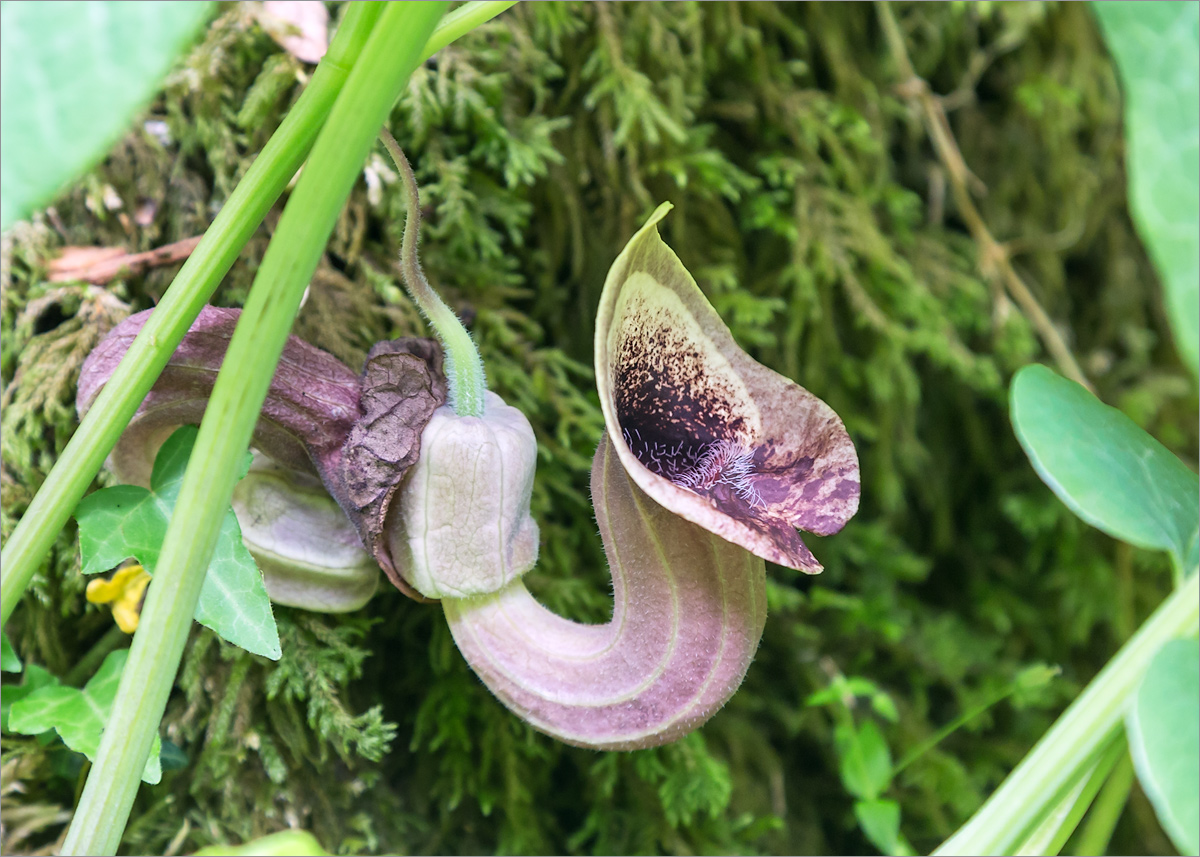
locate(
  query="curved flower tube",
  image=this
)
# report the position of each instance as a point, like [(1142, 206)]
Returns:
[(321, 425), (709, 464), (688, 613)]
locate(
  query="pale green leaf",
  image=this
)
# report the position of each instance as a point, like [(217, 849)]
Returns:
[(880, 821), (1156, 46), (35, 678), (285, 843), (72, 75), (865, 762), (79, 716), (1163, 725), (1103, 467)]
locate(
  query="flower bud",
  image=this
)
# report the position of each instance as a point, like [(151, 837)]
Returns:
[(461, 525)]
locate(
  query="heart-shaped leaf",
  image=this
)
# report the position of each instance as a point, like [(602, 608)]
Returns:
[(79, 716), (129, 521)]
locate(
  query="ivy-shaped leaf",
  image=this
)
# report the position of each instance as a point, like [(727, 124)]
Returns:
[(129, 521), (35, 678), (78, 716)]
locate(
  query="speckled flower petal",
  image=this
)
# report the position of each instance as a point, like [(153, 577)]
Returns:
[(705, 430)]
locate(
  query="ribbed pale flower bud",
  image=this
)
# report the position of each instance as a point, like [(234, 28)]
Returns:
[(461, 524)]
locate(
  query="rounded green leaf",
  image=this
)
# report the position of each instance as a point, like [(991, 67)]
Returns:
[(1157, 50), (71, 76), (1163, 724), (1103, 467)]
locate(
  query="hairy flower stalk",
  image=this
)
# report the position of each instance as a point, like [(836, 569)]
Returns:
[(464, 368)]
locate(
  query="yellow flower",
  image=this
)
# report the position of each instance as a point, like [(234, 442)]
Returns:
[(124, 591)]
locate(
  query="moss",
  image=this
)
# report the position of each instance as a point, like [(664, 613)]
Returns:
[(812, 209)]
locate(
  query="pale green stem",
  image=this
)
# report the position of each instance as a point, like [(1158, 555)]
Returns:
[(1077, 739), (1052, 834), (464, 368), (193, 286), (385, 63), (1097, 831)]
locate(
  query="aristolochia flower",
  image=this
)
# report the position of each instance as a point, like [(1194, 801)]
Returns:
[(331, 448), (703, 428), (710, 463)]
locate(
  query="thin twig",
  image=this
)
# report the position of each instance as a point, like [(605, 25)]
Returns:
[(994, 257)]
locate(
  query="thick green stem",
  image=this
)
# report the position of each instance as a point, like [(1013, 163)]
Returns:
[(464, 368), (1077, 739), (193, 286), (388, 58)]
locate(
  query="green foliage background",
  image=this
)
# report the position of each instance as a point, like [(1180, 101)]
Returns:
[(811, 209)]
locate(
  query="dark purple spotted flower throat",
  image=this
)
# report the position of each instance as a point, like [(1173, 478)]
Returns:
[(702, 428)]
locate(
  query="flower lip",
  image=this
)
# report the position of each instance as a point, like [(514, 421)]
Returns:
[(704, 429)]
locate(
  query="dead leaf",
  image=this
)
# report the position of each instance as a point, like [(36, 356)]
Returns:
[(100, 265)]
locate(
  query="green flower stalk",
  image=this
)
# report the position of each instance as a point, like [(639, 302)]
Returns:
[(464, 368)]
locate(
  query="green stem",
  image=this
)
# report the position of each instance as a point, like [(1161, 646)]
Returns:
[(1077, 739), (193, 286), (386, 61), (1052, 834), (86, 666), (1102, 820), (464, 368), (953, 726), (461, 21)]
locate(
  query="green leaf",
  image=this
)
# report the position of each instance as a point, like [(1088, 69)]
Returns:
[(1103, 467), (880, 821), (864, 759), (1163, 725), (9, 662), (71, 77), (78, 716), (1157, 50), (129, 521), (35, 678), (286, 843)]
